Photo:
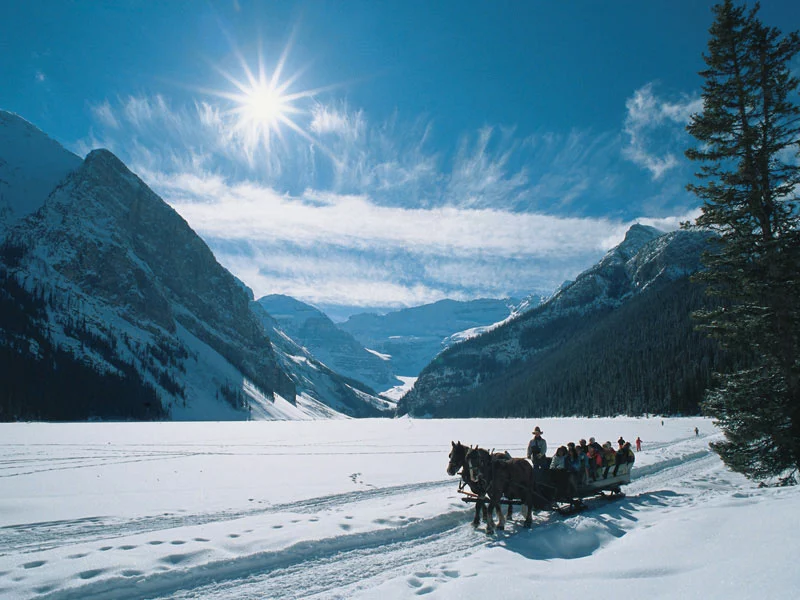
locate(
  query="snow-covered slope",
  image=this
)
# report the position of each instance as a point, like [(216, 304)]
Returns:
[(412, 337), (334, 347), (114, 282), (316, 382), (31, 165), (645, 258)]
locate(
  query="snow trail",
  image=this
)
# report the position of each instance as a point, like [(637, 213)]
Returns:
[(388, 517)]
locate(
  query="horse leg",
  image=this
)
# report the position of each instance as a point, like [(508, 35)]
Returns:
[(528, 519), (510, 507), (501, 519), (489, 519), (478, 506)]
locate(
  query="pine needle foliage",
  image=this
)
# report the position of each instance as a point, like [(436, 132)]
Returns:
[(749, 136)]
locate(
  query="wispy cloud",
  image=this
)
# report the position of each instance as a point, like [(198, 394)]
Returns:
[(348, 125), (372, 215), (312, 244), (652, 121)]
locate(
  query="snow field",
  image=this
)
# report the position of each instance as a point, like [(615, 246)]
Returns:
[(364, 509)]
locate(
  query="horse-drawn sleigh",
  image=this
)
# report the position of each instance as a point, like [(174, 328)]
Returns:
[(497, 479)]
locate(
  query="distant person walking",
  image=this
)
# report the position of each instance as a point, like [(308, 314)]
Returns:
[(638, 444), (696, 431)]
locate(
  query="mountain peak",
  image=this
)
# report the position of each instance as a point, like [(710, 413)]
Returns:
[(31, 165), (635, 239)]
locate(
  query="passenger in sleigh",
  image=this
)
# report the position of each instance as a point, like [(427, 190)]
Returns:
[(625, 456), (609, 458), (595, 463), (565, 480), (576, 462)]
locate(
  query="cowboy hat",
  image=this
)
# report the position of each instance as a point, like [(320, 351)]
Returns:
[(537, 430)]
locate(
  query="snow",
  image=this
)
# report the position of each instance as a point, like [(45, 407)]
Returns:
[(379, 354), (32, 164), (363, 509), (399, 391)]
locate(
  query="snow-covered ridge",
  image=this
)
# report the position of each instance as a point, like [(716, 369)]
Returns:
[(132, 291), (31, 165), (645, 257), (331, 345)]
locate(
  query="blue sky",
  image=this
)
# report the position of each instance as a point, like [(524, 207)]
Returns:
[(404, 152)]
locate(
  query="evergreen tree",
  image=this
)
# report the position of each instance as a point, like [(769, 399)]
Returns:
[(748, 134)]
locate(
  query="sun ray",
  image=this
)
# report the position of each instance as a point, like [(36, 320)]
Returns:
[(262, 104)]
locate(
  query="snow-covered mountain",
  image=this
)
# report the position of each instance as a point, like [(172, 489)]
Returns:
[(582, 350), (336, 348), (31, 165), (412, 337), (113, 286)]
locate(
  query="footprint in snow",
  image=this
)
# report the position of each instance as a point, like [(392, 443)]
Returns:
[(177, 542), (451, 573), (34, 564), (79, 555), (277, 526), (425, 590), (233, 535), (131, 573), (43, 589), (176, 559), (200, 540), (91, 573), (155, 543), (106, 548), (127, 547), (345, 526)]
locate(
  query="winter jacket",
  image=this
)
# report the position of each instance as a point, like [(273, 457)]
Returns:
[(558, 462), (537, 446)]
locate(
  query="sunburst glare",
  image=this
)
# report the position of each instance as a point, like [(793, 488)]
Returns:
[(263, 106)]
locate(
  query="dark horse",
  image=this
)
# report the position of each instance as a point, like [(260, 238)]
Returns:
[(501, 477), (457, 457)]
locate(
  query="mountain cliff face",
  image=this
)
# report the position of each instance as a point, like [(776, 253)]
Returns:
[(111, 279), (412, 337), (334, 347), (315, 381), (617, 339)]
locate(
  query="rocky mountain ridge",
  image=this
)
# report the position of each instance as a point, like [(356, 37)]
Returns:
[(328, 343), (648, 263), (113, 278), (412, 337)]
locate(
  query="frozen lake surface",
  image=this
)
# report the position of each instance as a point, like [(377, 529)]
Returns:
[(364, 509)]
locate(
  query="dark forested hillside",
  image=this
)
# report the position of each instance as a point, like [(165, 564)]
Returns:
[(43, 382), (641, 357)]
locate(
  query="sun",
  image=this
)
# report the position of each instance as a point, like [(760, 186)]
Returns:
[(260, 109), (262, 106)]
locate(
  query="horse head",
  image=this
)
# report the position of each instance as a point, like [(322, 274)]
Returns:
[(457, 454), (474, 462)]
